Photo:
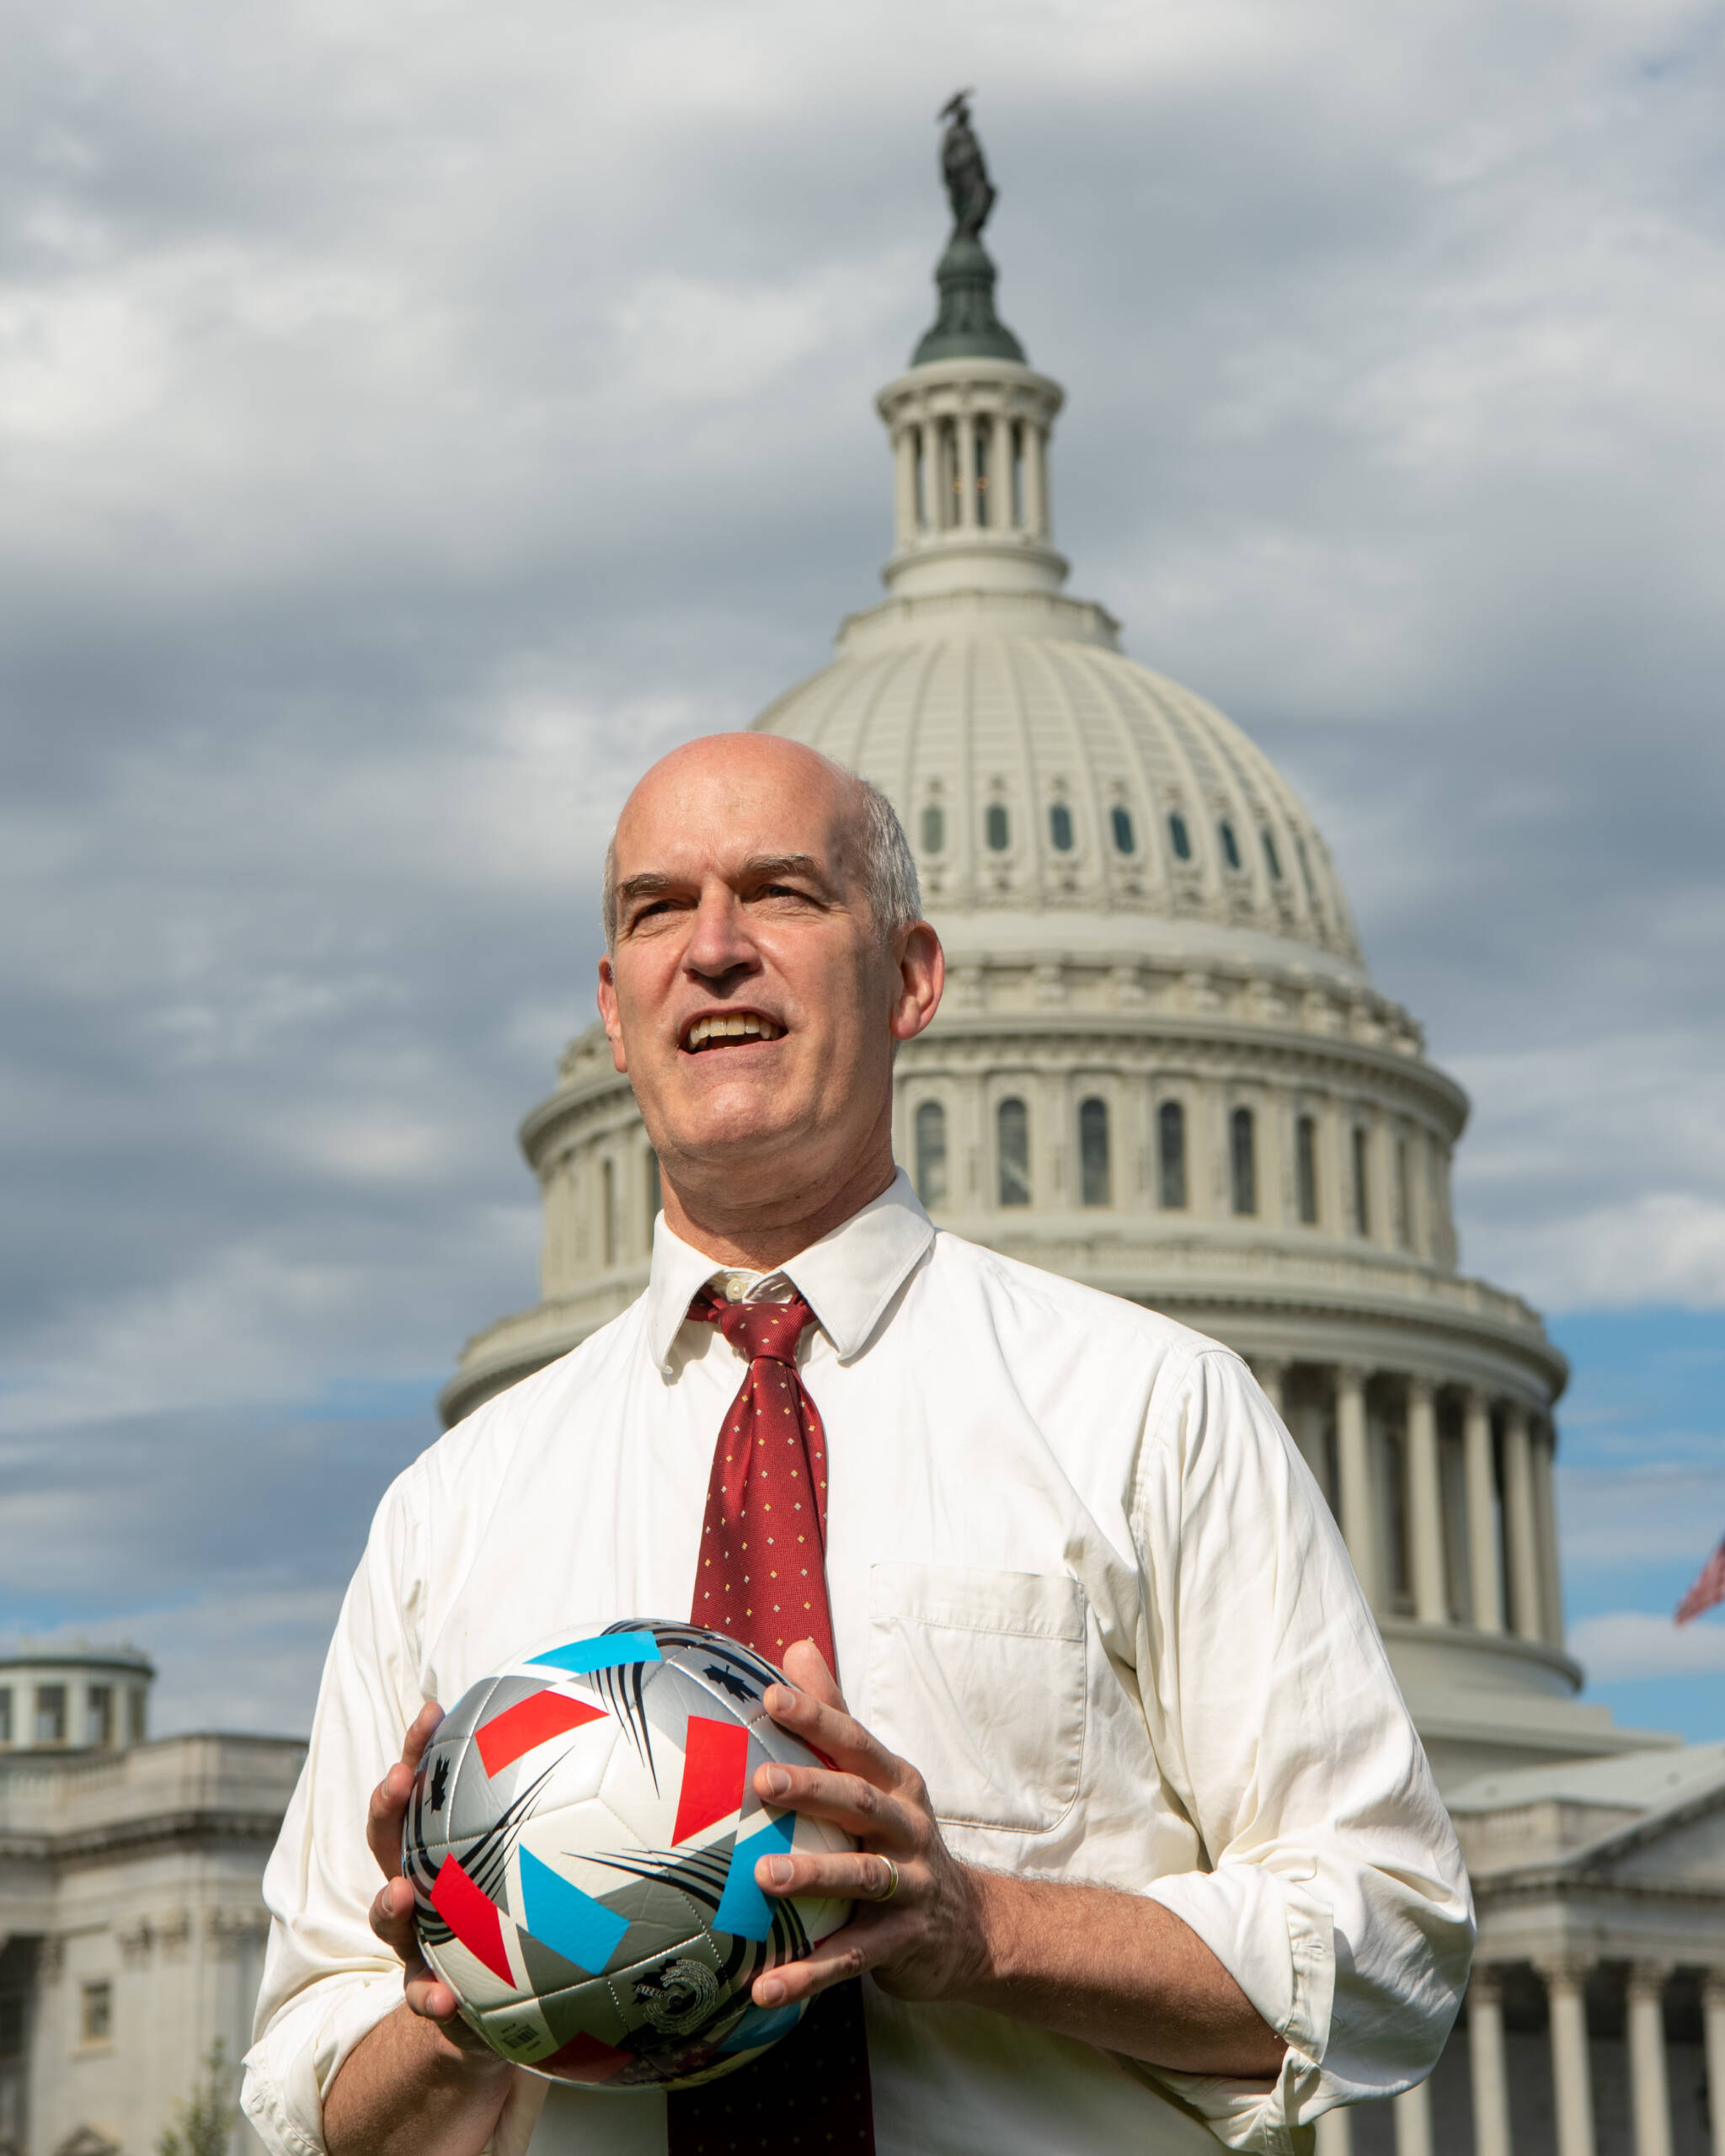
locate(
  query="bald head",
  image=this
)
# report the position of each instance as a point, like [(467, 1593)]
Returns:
[(870, 839)]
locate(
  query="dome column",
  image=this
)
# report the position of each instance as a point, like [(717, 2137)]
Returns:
[(999, 471), (1035, 449), (1484, 1563), (1354, 1464), (905, 447), (967, 470), (1431, 1600), (1545, 1498), (1521, 1534)]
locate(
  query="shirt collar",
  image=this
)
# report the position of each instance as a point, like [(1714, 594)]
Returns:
[(848, 1279)]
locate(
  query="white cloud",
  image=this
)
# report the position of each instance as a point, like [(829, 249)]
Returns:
[(1630, 1643)]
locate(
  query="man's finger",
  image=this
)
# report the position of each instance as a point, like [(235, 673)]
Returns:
[(837, 1735), (866, 1811), (848, 1952), (852, 1876), (388, 1806), (805, 1665)]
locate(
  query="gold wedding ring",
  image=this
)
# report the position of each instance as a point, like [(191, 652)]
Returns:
[(892, 1880)]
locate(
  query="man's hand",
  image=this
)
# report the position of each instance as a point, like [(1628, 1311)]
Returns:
[(421, 2084), (929, 1940), (392, 1911), (1111, 1969)]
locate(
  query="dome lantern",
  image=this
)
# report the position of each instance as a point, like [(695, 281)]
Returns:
[(970, 420)]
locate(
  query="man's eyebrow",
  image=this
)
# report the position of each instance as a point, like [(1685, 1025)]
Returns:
[(766, 866), (645, 886)]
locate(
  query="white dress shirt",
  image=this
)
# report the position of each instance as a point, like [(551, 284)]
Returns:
[(1080, 1577)]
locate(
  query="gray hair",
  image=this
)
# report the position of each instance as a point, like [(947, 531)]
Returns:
[(888, 869)]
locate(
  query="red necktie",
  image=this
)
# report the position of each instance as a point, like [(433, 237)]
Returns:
[(762, 1578)]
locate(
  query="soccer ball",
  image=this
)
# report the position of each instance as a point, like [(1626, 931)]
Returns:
[(582, 1839)]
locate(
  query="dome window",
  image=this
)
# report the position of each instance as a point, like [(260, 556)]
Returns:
[(1272, 859), (931, 1154), (934, 827), (1013, 1132), (1125, 838), (1231, 845), (997, 827), (1242, 1160), (1362, 1181), (1060, 827), (1179, 837), (1093, 1177), (1171, 1156), (1306, 1169)]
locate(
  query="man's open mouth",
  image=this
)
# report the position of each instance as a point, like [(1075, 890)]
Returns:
[(721, 1029)]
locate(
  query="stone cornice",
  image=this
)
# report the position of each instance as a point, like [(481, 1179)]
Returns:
[(189, 1826)]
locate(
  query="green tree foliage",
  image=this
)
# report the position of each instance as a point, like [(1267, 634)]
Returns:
[(207, 2117)]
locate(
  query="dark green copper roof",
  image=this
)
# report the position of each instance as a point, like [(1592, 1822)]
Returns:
[(967, 326)]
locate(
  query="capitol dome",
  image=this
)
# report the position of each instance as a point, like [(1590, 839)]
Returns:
[(1160, 1067)]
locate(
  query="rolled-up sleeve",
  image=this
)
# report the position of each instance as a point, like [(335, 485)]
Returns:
[(326, 1980), (1334, 1894)]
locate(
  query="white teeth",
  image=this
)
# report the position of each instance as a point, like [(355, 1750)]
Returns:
[(747, 1025)]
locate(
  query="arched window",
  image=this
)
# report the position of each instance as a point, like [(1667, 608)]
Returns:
[(1242, 1160), (983, 517), (934, 827), (1230, 844), (655, 1196), (1094, 1180), (1306, 1169), (1171, 1156), (1125, 838), (994, 825), (608, 1211), (1012, 1129), (1179, 836), (1305, 876), (1272, 860), (1362, 1186), (1060, 827), (920, 477), (931, 1154), (1404, 1197)]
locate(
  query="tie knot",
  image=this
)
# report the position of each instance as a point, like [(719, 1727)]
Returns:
[(766, 1333)]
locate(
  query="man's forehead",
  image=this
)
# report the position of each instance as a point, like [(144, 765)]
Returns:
[(725, 811)]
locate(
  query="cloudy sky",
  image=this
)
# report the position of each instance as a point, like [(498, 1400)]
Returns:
[(412, 415)]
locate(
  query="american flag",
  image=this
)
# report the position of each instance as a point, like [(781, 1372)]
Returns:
[(1708, 1589)]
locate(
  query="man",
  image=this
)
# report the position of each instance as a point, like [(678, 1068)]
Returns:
[(1149, 1854)]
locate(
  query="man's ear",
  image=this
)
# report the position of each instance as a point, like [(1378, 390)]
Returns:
[(922, 973), (609, 1017)]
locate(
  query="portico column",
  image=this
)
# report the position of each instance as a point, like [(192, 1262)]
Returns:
[(1713, 2015), (1485, 2057), (1335, 2134), (1571, 2078), (1482, 1558), (1414, 2121), (1431, 1600), (1519, 1531), (1650, 2094), (1272, 1374), (1353, 1472), (967, 470)]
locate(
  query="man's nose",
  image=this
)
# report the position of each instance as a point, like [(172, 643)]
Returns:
[(719, 942)]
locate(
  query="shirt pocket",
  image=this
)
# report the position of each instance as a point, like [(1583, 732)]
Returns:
[(978, 1680)]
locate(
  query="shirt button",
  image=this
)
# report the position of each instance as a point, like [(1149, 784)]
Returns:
[(736, 1286)]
